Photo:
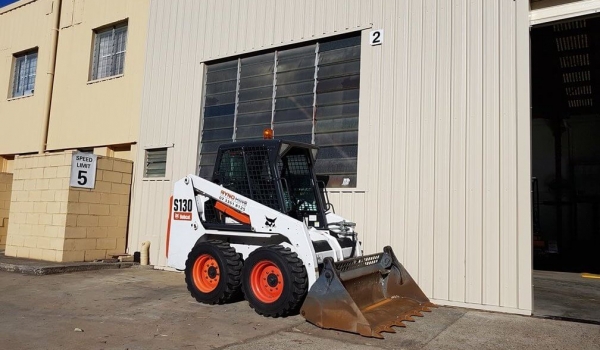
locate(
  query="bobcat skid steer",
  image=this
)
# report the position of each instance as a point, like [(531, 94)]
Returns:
[(261, 227)]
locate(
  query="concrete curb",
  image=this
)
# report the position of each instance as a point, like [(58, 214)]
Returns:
[(56, 269)]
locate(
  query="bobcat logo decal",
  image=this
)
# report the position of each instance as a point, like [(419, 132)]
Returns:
[(270, 222)]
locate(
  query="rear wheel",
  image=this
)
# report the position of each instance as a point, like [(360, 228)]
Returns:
[(274, 281), (213, 272)]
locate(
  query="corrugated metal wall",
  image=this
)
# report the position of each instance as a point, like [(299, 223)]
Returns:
[(444, 164)]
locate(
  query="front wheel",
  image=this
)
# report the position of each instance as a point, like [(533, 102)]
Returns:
[(274, 281)]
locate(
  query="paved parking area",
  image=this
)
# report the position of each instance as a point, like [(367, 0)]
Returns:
[(147, 309)]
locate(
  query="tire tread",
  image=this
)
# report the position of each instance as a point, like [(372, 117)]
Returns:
[(299, 281), (233, 275)]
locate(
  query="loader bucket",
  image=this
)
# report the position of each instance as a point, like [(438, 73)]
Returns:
[(365, 295)]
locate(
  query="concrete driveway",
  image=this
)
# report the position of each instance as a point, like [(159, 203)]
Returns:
[(566, 295), (148, 309)]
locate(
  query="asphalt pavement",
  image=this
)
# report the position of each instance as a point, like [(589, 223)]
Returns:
[(138, 308)]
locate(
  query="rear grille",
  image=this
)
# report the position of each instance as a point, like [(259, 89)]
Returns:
[(355, 263)]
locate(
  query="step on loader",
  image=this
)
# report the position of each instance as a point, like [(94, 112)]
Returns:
[(262, 226)]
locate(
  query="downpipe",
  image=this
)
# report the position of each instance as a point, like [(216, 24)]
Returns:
[(56, 9)]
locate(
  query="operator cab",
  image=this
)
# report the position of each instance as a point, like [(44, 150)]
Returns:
[(276, 173)]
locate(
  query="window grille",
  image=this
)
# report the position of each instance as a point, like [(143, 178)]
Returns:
[(306, 93), (156, 162), (246, 171), (109, 51), (24, 71), (259, 175)]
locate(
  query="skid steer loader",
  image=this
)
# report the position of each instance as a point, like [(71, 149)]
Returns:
[(262, 227)]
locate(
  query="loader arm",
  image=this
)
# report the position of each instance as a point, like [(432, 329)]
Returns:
[(187, 224)]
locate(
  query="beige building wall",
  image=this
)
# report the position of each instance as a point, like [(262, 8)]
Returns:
[(444, 136), (84, 113), (5, 192), (101, 116), (51, 221), (103, 112), (24, 25)]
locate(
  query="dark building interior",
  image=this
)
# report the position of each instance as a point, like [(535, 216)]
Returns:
[(565, 78)]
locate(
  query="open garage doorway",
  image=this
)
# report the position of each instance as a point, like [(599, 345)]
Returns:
[(565, 81)]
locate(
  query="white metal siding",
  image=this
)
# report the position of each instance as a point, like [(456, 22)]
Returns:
[(443, 163)]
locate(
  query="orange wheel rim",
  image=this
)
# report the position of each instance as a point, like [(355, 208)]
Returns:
[(266, 281), (206, 273)]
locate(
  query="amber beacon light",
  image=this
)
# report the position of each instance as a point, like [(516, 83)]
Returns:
[(268, 134)]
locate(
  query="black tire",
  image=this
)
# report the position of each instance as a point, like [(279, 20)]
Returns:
[(293, 275), (229, 270)]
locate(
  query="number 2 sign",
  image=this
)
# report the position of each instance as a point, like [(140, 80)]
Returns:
[(376, 37), (83, 170)]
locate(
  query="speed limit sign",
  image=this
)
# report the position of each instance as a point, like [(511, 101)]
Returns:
[(83, 170)]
